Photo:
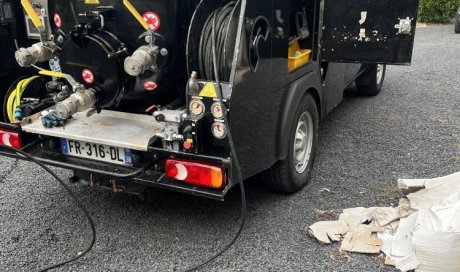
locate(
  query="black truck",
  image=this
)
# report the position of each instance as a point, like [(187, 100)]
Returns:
[(171, 94)]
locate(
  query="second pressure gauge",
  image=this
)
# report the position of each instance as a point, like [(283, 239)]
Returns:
[(217, 110)]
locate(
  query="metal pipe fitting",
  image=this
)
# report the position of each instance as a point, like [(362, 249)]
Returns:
[(38, 52), (83, 99), (142, 59)]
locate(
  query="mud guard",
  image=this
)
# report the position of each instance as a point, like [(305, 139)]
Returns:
[(311, 81)]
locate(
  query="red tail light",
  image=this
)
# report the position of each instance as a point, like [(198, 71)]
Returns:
[(196, 173), (12, 139)]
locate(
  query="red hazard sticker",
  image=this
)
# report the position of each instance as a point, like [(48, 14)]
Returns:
[(87, 76), (57, 20), (152, 19), (150, 85)]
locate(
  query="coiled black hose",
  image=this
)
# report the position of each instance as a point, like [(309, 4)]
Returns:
[(222, 18)]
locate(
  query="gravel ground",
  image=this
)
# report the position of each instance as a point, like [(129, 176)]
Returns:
[(411, 130)]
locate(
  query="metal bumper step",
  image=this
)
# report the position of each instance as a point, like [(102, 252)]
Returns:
[(126, 130)]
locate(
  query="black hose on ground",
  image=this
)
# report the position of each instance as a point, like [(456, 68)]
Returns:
[(72, 195)]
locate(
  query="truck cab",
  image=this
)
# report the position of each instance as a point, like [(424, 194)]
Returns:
[(191, 96)]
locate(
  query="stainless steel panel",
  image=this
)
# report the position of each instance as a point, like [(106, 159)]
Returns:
[(118, 129)]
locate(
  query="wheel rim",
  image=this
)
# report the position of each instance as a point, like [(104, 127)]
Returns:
[(303, 142), (380, 69)]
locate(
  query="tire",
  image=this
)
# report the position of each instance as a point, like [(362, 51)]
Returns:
[(370, 83), (457, 26), (293, 173)]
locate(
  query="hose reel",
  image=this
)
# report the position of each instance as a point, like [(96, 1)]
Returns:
[(224, 17)]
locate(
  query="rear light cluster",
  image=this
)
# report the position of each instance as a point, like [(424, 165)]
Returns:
[(196, 173), (11, 139)]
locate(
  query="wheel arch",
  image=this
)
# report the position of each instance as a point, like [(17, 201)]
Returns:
[(309, 83)]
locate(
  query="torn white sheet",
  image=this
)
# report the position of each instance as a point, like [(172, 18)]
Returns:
[(412, 185), (454, 178), (437, 238), (362, 239), (356, 216), (387, 242), (392, 227), (423, 233), (402, 241), (404, 203), (326, 231), (438, 194), (407, 263), (383, 216), (408, 186), (438, 251), (404, 208), (439, 219)]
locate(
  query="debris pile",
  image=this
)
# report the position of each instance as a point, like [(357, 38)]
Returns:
[(422, 233)]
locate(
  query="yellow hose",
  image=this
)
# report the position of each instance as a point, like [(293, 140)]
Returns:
[(10, 103), (14, 100)]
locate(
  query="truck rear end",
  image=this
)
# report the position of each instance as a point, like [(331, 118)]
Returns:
[(125, 95), (193, 96)]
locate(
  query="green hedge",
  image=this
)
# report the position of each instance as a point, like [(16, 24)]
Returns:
[(438, 11)]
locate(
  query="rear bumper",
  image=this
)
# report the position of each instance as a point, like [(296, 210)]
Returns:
[(147, 171)]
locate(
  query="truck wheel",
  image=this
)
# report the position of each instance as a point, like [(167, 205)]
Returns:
[(457, 27), (371, 81), (293, 173)]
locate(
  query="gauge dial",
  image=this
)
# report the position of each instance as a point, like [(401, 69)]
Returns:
[(219, 130), (197, 107), (217, 110)]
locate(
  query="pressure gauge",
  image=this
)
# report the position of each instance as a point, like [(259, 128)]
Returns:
[(217, 110), (219, 130), (197, 107)]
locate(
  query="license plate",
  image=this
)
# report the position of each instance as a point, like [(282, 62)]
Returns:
[(105, 153)]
